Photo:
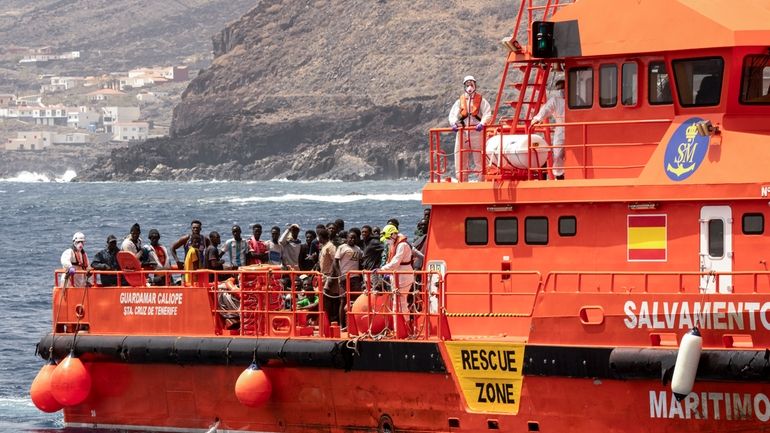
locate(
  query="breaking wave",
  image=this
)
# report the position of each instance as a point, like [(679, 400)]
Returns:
[(334, 198), (31, 177), (307, 181)]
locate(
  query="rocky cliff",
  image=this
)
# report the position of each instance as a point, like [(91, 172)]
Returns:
[(309, 89)]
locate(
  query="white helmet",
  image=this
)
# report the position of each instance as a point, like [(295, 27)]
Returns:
[(78, 237), (469, 78)]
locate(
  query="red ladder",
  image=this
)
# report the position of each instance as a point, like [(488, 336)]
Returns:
[(531, 89)]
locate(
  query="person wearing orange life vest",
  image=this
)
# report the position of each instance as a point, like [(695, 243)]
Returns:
[(473, 111), (75, 260), (399, 260)]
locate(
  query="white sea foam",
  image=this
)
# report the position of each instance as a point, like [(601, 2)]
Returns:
[(307, 181), (31, 177), (334, 198), (67, 176), (15, 401)]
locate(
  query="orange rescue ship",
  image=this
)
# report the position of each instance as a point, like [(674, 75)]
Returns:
[(632, 296)]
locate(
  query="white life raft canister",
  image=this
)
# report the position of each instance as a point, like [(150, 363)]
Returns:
[(686, 366), (515, 151)]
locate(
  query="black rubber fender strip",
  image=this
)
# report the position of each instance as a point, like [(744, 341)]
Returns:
[(643, 363), (196, 350)]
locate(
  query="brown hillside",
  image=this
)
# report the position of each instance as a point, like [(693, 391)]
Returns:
[(327, 88)]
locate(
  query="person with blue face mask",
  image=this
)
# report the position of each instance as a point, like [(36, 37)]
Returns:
[(468, 117), (554, 107)]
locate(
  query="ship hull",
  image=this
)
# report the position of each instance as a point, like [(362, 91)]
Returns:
[(413, 387)]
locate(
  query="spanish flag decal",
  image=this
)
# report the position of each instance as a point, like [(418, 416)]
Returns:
[(647, 238)]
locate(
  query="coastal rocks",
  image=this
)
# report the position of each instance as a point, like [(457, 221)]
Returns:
[(288, 98)]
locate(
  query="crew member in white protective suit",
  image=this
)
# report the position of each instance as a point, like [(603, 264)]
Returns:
[(473, 111), (554, 107), (399, 260), (75, 261)]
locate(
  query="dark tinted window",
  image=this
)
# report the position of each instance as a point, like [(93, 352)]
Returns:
[(567, 226), (507, 231), (630, 85), (476, 232), (698, 81), (716, 238), (536, 230), (658, 84), (608, 85), (755, 81), (753, 224), (581, 88)]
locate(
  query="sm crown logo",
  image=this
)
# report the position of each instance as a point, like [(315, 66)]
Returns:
[(685, 151)]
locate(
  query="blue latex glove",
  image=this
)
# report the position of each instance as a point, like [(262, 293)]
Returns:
[(479, 127), (455, 127), (71, 270), (386, 278)]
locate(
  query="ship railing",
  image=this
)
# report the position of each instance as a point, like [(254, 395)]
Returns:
[(491, 303), (585, 148), (501, 165), (264, 302), (402, 305), (661, 282)]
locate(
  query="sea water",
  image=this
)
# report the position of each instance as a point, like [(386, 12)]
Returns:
[(38, 217)]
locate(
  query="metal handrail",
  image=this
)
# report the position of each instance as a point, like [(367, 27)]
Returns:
[(490, 130)]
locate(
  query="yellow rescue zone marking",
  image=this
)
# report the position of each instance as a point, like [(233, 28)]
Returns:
[(489, 374)]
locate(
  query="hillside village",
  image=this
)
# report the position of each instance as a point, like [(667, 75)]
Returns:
[(84, 110), (81, 78)]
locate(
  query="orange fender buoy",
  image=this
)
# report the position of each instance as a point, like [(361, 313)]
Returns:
[(40, 391), (70, 381), (253, 387), (379, 314)]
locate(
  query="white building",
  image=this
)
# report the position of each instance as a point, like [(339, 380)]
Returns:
[(147, 97), (59, 84), (71, 138), (83, 118), (130, 131), (22, 112), (113, 115), (105, 94), (41, 140), (52, 115), (47, 57), (30, 140)]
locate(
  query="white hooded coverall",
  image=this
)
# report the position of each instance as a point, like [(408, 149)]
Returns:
[(469, 140), (554, 107)]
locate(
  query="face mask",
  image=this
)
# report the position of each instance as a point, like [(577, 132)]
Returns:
[(470, 89), (79, 246), (391, 241)]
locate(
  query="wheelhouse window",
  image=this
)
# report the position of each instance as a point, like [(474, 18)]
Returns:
[(536, 230), (608, 85), (476, 231), (698, 81), (581, 87), (567, 226), (630, 84), (507, 231), (755, 81), (659, 85), (753, 224)]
